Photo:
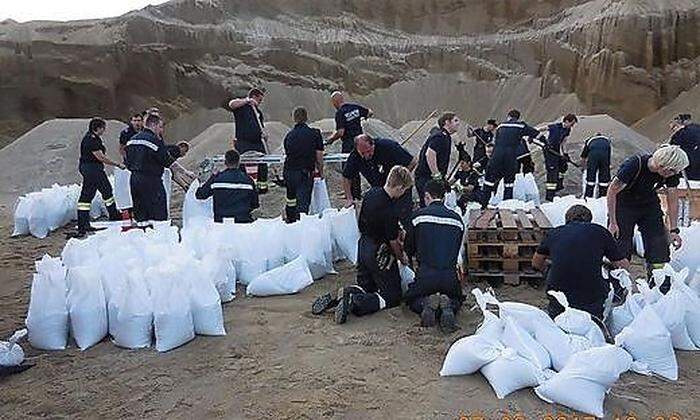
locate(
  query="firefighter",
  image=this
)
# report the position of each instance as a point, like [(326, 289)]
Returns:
[(250, 131), (555, 156), (596, 155), (434, 156)]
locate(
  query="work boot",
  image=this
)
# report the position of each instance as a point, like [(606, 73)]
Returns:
[(448, 322), (428, 317), (323, 303), (344, 298)]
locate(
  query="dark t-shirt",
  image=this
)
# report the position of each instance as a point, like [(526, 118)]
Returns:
[(481, 139), (640, 182), (387, 154), (349, 117), (688, 138), (249, 122), (126, 134), (91, 143), (557, 134), (378, 217), (598, 146), (441, 143), (300, 147), (576, 251)]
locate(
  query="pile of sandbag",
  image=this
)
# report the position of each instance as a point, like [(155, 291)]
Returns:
[(556, 210), (525, 189), (567, 360), (41, 212)]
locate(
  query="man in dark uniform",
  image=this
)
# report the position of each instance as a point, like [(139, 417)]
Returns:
[(233, 191), (466, 182), (379, 249), (633, 201), (436, 293), (434, 157), (576, 252), (482, 138), (556, 166), (686, 134), (303, 147), (503, 165), (92, 167), (135, 125), (348, 125), (147, 156), (596, 157), (250, 132)]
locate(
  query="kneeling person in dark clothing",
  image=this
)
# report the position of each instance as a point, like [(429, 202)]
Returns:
[(379, 248), (436, 293), (576, 252), (233, 190), (466, 181)]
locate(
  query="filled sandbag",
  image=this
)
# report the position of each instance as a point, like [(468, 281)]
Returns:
[(622, 315), (307, 237), (688, 256), (516, 337), (194, 209), (122, 189), (492, 326), (346, 233), (205, 301), (21, 216), (649, 342), (11, 353), (47, 318), (172, 314), (469, 354), (577, 322), (87, 306), (319, 197), (38, 218), (132, 325), (407, 277), (586, 379), (288, 279), (525, 189), (510, 372)]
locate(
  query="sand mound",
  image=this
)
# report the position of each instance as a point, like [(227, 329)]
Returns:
[(48, 154), (655, 126)]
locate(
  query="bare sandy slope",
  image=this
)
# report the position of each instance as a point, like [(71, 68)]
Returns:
[(655, 126), (279, 361)]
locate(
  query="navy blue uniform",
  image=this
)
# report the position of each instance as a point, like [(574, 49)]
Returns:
[(249, 122), (300, 147), (126, 134), (94, 179), (576, 251), (349, 118), (437, 235), (481, 139), (555, 165), (688, 138), (379, 224), (466, 179), (597, 151), (234, 195), (503, 165), (638, 205), (440, 142), (147, 156)]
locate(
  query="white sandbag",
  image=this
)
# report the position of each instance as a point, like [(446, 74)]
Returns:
[(133, 323), (511, 372), (638, 243), (172, 314), (269, 232), (451, 200), (227, 287), (586, 379), (527, 316), (308, 237), (38, 220), (87, 306), (319, 197), (469, 354), (525, 189), (577, 322), (515, 337), (47, 318), (122, 189), (205, 302), (346, 233), (193, 209), (167, 179), (79, 252), (649, 342), (21, 215), (288, 279), (11, 353), (407, 277), (327, 217), (677, 309), (688, 256), (492, 326), (621, 316)]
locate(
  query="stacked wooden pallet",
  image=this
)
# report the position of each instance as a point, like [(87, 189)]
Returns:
[(501, 243)]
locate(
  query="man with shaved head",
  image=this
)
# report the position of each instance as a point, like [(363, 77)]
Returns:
[(348, 125)]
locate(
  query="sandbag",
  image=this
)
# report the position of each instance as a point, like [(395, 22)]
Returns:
[(525, 189), (207, 314), (172, 314), (308, 238), (586, 379), (515, 337), (511, 372), (676, 307), (193, 209), (688, 256), (649, 342), (577, 322), (451, 200), (21, 215), (87, 306), (38, 220), (407, 277), (47, 318), (469, 354), (11, 353), (319, 197), (132, 327), (122, 189), (492, 326), (346, 233), (288, 279), (621, 316)]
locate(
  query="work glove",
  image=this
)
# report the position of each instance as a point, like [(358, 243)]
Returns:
[(385, 258)]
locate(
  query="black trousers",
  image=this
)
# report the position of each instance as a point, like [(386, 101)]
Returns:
[(420, 188), (378, 285), (555, 175), (430, 281), (355, 182), (94, 179), (299, 186), (255, 144), (597, 166), (148, 196), (502, 166), (650, 220)]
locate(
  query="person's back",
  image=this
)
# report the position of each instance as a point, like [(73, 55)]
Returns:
[(688, 138), (146, 154), (378, 219), (300, 146), (438, 236)]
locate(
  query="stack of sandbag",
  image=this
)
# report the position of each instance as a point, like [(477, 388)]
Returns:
[(525, 189), (556, 210)]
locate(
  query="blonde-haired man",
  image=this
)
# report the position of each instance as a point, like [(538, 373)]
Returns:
[(633, 201)]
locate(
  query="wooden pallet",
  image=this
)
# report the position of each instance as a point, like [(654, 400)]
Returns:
[(497, 279), (496, 226)]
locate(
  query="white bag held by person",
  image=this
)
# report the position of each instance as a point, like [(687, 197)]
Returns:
[(407, 277), (122, 189), (194, 209), (87, 306), (47, 318), (469, 354), (586, 379), (133, 323), (346, 233), (319, 197), (11, 353), (172, 315), (576, 321), (649, 342), (511, 372), (288, 279)]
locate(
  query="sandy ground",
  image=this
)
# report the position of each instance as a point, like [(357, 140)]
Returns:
[(279, 361)]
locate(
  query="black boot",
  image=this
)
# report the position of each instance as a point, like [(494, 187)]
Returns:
[(428, 317), (448, 322)]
